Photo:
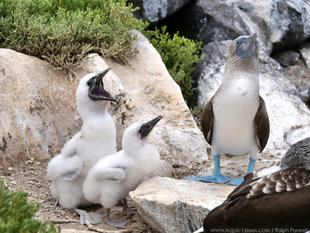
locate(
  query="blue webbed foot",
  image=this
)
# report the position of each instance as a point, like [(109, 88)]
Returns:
[(214, 178), (236, 181)]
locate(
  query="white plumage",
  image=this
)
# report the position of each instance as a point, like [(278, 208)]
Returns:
[(96, 139), (233, 129), (114, 176)]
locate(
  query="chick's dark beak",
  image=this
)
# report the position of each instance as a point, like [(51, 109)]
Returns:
[(147, 127), (96, 88)]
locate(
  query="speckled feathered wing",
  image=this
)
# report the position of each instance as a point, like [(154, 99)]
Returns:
[(279, 200)]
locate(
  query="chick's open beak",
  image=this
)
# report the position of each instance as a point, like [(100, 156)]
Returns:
[(96, 88)]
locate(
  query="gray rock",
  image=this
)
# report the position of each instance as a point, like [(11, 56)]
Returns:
[(37, 108), (281, 23), (286, 111), (155, 10), (287, 58), (170, 205), (209, 71), (209, 21), (287, 20), (305, 53), (299, 75)]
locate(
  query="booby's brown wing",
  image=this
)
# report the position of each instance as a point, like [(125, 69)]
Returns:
[(281, 199), (262, 125), (286, 180), (206, 121)]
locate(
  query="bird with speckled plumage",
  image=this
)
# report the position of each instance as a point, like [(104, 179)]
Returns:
[(276, 197)]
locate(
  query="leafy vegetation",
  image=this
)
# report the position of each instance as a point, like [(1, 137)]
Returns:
[(64, 32), (17, 216), (180, 56)]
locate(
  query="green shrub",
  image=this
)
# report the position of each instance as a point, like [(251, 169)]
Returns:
[(180, 56), (16, 216), (63, 32)]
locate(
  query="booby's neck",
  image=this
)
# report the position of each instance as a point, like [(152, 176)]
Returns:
[(236, 66), (92, 110)]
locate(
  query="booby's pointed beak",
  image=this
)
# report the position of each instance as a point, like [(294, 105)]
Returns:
[(147, 127), (96, 88), (249, 47)]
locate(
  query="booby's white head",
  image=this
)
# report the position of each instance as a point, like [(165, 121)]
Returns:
[(134, 137), (246, 47), (91, 96), (243, 55)]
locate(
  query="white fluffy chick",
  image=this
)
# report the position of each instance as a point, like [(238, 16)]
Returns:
[(114, 176), (96, 139)]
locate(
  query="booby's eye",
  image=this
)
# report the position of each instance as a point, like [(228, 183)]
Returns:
[(91, 80), (238, 43)]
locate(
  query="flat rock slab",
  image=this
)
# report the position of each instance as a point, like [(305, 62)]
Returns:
[(170, 205)]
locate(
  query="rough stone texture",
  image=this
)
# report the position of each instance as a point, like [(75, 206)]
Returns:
[(155, 10), (299, 75), (289, 116), (38, 105), (221, 21), (170, 206), (287, 58), (150, 91), (305, 53), (281, 23), (287, 20), (208, 21), (37, 108)]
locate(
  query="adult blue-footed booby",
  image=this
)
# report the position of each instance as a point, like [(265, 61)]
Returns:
[(96, 139), (235, 120), (114, 176), (279, 200)]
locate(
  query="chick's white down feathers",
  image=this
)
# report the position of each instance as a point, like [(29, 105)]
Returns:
[(96, 139), (114, 176)]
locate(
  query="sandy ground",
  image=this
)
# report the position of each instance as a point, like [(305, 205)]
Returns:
[(31, 177)]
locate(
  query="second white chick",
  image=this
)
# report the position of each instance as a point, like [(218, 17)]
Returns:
[(114, 176)]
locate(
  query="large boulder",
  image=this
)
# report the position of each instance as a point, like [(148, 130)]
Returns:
[(281, 23), (170, 206), (38, 110), (289, 116), (299, 75), (209, 21), (287, 20)]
